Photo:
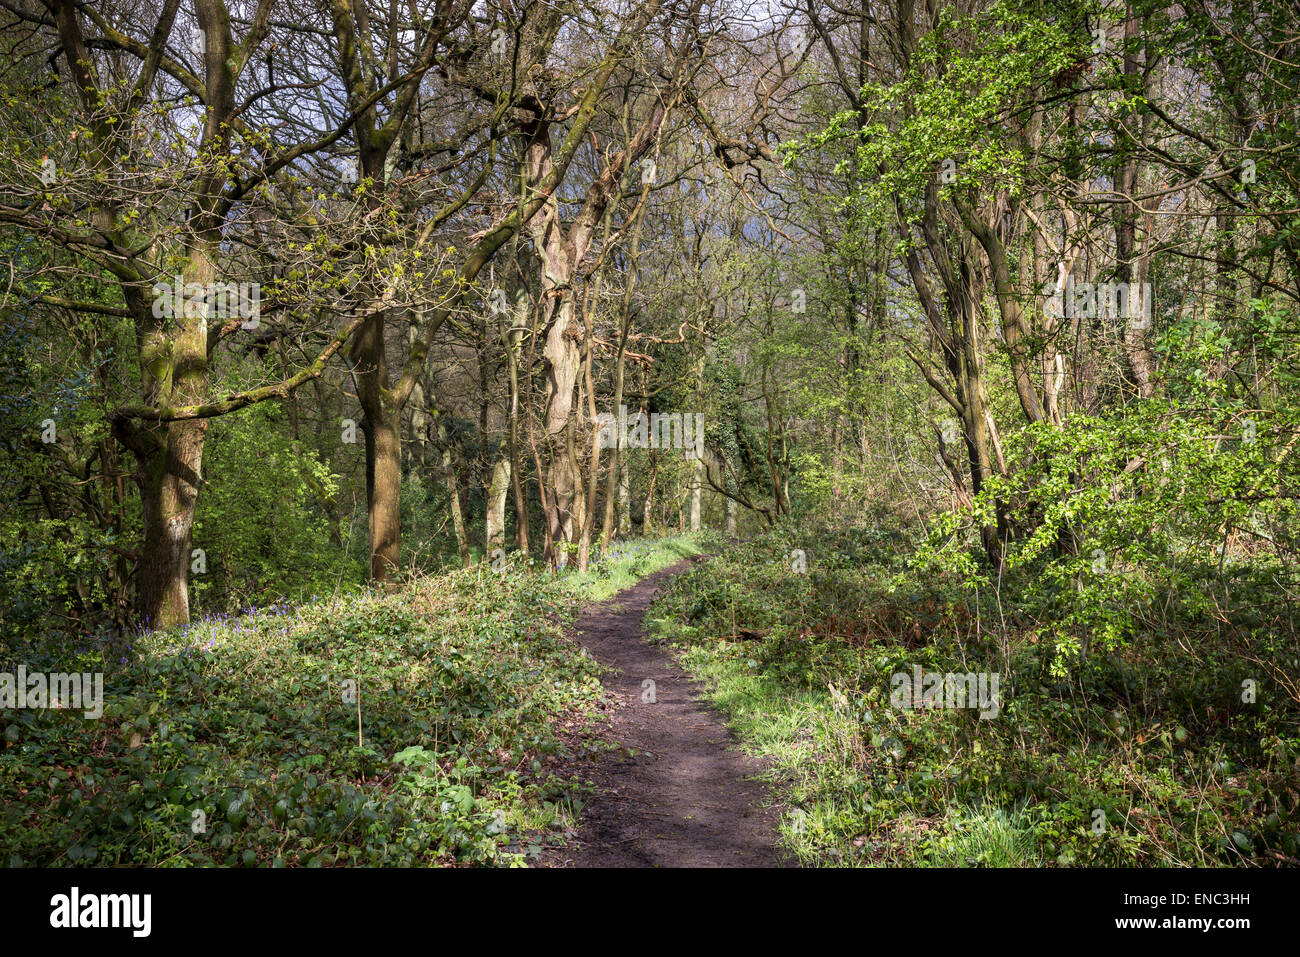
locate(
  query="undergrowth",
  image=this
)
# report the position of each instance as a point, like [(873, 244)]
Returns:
[(1148, 755), (415, 728)]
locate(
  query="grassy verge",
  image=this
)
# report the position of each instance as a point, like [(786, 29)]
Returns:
[(628, 562), (1146, 757), (417, 728)]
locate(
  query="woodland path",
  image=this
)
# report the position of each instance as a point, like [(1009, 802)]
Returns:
[(685, 795)]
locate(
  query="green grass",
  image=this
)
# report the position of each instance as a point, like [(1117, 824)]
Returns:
[(237, 741), (628, 562), (987, 837)]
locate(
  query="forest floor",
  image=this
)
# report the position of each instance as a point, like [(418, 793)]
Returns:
[(678, 792)]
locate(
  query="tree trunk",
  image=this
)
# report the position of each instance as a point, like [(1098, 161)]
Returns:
[(419, 425), (512, 337), (562, 372), (169, 496), (174, 358), (697, 470), (561, 250), (384, 486), (616, 481), (624, 497), (1137, 346), (383, 430), (453, 497), (561, 354), (496, 505), (647, 510)]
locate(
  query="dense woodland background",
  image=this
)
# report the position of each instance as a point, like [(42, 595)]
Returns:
[(990, 309)]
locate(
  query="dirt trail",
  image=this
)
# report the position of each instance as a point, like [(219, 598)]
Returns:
[(686, 798)]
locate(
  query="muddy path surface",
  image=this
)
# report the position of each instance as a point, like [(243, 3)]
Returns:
[(685, 796)]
